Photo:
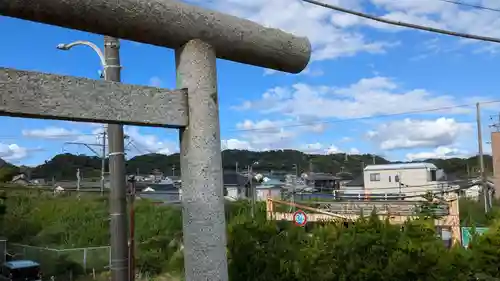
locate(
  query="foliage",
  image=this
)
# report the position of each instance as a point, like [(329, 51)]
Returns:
[(472, 213), (63, 166), (7, 172), (261, 250)]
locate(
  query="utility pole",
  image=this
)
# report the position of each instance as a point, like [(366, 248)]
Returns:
[(294, 185), (103, 159), (102, 155), (252, 191), (78, 181), (481, 160), (131, 246), (118, 189)]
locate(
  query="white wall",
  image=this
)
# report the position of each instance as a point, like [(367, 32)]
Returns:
[(234, 192), (264, 193), (473, 192), (418, 181)]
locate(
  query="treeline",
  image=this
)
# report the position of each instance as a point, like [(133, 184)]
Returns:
[(64, 166), (261, 250)]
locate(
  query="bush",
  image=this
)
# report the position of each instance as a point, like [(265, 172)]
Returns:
[(261, 250)]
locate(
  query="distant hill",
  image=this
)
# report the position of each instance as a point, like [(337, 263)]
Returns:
[(64, 166), (7, 170)]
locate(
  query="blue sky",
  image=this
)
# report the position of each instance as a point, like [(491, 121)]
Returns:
[(359, 69)]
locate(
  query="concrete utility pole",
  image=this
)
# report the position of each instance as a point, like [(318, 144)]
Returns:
[(103, 159), (252, 191), (78, 180), (481, 160), (118, 185)]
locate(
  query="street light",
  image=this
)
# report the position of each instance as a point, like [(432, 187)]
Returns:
[(67, 47)]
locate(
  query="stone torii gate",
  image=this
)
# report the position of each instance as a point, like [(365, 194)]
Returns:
[(198, 37)]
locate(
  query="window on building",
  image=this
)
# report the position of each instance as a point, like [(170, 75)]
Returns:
[(375, 177), (433, 175), (389, 178), (396, 178)]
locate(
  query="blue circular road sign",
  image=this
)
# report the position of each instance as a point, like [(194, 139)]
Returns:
[(300, 218)]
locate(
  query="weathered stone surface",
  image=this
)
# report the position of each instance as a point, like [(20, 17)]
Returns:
[(171, 24), (48, 96), (201, 164)]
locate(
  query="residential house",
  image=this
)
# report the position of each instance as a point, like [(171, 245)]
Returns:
[(21, 179), (236, 185), (38, 181), (353, 189), (321, 181), (269, 188), (473, 189), (406, 179)]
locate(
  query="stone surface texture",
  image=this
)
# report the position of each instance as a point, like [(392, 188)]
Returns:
[(200, 151), (171, 24), (48, 96)]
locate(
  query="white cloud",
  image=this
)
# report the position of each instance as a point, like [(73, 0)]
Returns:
[(410, 133), (444, 15), (51, 133), (267, 133), (329, 32), (334, 34), (319, 148), (235, 144), (441, 152), (141, 143), (346, 139), (367, 97), (316, 72), (354, 151), (13, 152), (155, 81), (150, 143)]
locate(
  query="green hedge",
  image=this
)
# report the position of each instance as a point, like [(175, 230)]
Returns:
[(261, 250)]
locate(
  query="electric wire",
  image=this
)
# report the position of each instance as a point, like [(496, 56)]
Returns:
[(403, 24), (369, 117), (475, 6)]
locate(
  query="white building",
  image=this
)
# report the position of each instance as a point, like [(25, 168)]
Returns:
[(406, 179)]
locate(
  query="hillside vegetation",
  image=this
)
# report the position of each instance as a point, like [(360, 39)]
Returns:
[(258, 250), (63, 166)]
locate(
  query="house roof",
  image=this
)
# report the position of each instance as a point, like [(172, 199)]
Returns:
[(272, 181), (321, 176), (358, 181), (233, 178), (21, 264), (400, 166)]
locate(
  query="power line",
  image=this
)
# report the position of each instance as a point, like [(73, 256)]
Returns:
[(460, 3), (301, 124), (404, 24)]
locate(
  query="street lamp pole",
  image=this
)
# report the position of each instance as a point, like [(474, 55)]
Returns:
[(110, 61), (67, 47)]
